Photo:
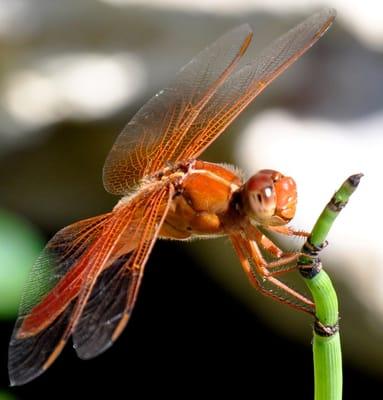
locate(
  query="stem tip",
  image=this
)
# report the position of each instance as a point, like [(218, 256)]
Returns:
[(355, 179)]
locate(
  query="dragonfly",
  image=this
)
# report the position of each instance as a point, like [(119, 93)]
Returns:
[(85, 282)]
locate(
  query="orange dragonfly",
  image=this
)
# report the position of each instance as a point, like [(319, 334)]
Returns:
[(86, 280)]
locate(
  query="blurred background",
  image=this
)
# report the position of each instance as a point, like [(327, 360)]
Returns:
[(74, 72)]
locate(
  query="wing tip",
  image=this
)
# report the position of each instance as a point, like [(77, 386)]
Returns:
[(245, 27), (13, 380), (83, 354), (18, 378), (330, 11), (327, 14)]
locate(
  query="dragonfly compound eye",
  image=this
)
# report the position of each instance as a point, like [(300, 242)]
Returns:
[(270, 197), (286, 194), (259, 197)]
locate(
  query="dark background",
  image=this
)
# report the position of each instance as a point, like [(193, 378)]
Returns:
[(187, 336)]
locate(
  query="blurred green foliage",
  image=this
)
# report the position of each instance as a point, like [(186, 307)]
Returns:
[(5, 395), (20, 244)]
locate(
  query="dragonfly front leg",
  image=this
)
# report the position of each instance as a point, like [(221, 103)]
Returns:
[(283, 258), (288, 231), (255, 234)]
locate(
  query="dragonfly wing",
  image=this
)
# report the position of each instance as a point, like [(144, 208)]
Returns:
[(245, 84), (159, 130), (28, 356), (115, 292), (46, 302), (45, 324)]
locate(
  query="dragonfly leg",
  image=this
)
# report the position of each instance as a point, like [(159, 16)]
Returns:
[(288, 231), (248, 270), (287, 258), (261, 265), (242, 249), (255, 234), (282, 258), (247, 249)]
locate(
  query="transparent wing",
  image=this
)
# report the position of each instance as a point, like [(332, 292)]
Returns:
[(45, 324), (46, 300), (114, 295), (161, 126), (244, 85)]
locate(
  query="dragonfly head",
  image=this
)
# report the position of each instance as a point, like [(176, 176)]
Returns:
[(270, 198)]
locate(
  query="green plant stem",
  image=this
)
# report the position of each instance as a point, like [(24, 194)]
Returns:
[(326, 349), (326, 341)]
